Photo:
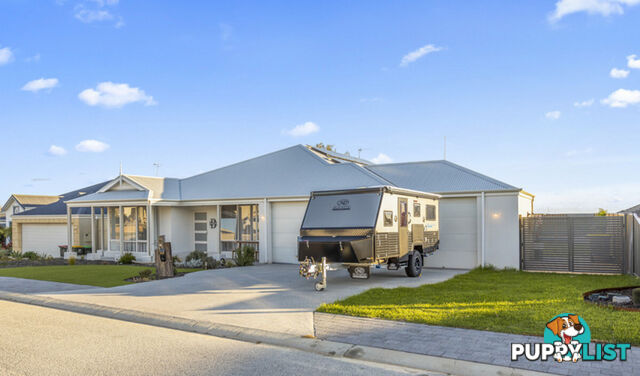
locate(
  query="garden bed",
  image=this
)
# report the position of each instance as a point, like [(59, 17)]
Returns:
[(51, 262), (619, 298)]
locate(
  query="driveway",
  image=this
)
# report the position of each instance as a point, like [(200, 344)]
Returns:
[(268, 297)]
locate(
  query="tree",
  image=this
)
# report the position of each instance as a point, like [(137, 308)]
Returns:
[(601, 212), (5, 233)]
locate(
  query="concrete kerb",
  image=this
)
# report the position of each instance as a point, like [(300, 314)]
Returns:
[(322, 347)]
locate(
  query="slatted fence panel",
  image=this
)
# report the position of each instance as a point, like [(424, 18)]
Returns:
[(573, 243)]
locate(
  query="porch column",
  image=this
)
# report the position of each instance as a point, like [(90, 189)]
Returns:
[(108, 231), (102, 229), (150, 233), (93, 230), (69, 232), (121, 213)]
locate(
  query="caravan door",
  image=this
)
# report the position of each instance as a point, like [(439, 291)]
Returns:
[(403, 233)]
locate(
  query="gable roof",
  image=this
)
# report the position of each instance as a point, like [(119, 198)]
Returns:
[(631, 210), (30, 200), (59, 207), (290, 172), (144, 188), (438, 176)]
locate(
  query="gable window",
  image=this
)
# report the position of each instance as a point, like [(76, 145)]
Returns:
[(431, 212), (16, 209), (239, 226), (416, 209)]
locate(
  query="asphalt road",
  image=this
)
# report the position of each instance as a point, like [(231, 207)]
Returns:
[(43, 341)]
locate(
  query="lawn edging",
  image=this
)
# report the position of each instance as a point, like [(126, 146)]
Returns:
[(258, 336)]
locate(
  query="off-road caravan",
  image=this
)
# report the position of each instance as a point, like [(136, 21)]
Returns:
[(365, 227)]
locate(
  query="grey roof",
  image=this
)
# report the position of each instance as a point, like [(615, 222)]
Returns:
[(60, 208), (114, 196), (632, 210), (437, 177), (294, 171)]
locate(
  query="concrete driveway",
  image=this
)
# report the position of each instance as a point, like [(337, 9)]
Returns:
[(268, 297)]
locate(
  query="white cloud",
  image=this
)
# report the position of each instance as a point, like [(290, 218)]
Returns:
[(33, 59), (618, 73), (6, 55), (553, 115), (57, 150), (417, 54), (92, 146), (113, 95), (40, 84), (632, 62), (97, 11), (586, 103), (601, 7), (303, 129), (622, 98), (382, 158)]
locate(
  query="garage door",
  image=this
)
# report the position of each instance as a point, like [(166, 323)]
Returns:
[(458, 234), (44, 238), (286, 218)]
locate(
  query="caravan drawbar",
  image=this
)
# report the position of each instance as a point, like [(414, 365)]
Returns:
[(365, 227)]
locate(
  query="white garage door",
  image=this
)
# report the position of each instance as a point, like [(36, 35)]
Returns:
[(43, 238), (286, 218), (458, 234)]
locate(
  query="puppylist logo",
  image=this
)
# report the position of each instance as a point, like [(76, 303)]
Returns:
[(567, 338)]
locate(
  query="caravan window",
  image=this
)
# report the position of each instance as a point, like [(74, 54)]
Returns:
[(431, 212), (416, 210), (388, 218), (345, 210)]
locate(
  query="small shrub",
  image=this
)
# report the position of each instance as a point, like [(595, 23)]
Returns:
[(210, 263), (72, 260), (127, 258), (245, 256), (635, 295), (145, 274), (196, 255), (17, 255), (229, 264), (31, 256)]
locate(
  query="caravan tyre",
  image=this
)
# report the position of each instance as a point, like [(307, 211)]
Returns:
[(414, 265)]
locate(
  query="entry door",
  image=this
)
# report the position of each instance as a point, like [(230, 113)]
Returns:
[(403, 233)]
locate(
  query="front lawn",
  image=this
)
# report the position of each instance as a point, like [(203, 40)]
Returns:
[(500, 301), (92, 275)]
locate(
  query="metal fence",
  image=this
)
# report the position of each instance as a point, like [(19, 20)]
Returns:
[(574, 243), (635, 245)]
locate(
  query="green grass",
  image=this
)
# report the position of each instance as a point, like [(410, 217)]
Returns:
[(92, 275), (501, 301)]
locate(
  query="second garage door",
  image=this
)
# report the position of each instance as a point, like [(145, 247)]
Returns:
[(43, 238), (458, 234), (286, 218)]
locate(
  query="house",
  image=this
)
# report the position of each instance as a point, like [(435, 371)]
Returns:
[(18, 203), (43, 229), (631, 210), (261, 202)]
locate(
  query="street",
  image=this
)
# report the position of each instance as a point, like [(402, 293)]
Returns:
[(43, 341)]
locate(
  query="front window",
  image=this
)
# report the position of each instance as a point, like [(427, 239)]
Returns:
[(388, 218), (416, 210), (133, 224), (239, 226), (431, 212)]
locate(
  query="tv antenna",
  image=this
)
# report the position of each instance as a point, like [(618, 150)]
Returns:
[(157, 167)]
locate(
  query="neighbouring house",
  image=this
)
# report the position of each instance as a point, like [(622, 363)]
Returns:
[(18, 203), (261, 202), (631, 210), (43, 229)]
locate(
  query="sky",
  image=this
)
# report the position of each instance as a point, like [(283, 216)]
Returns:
[(544, 95)]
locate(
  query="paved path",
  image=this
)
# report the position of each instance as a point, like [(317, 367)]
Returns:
[(465, 344), (32, 286), (43, 341), (268, 297)]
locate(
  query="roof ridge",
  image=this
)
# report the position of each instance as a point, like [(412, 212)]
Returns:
[(243, 161)]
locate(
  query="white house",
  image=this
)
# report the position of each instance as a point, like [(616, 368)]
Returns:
[(261, 202)]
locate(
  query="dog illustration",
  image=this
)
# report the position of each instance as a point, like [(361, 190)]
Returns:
[(566, 328)]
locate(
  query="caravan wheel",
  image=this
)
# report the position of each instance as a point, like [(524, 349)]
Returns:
[(414, 265)]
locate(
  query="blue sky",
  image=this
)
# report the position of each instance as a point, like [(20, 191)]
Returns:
[(521, 90)]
